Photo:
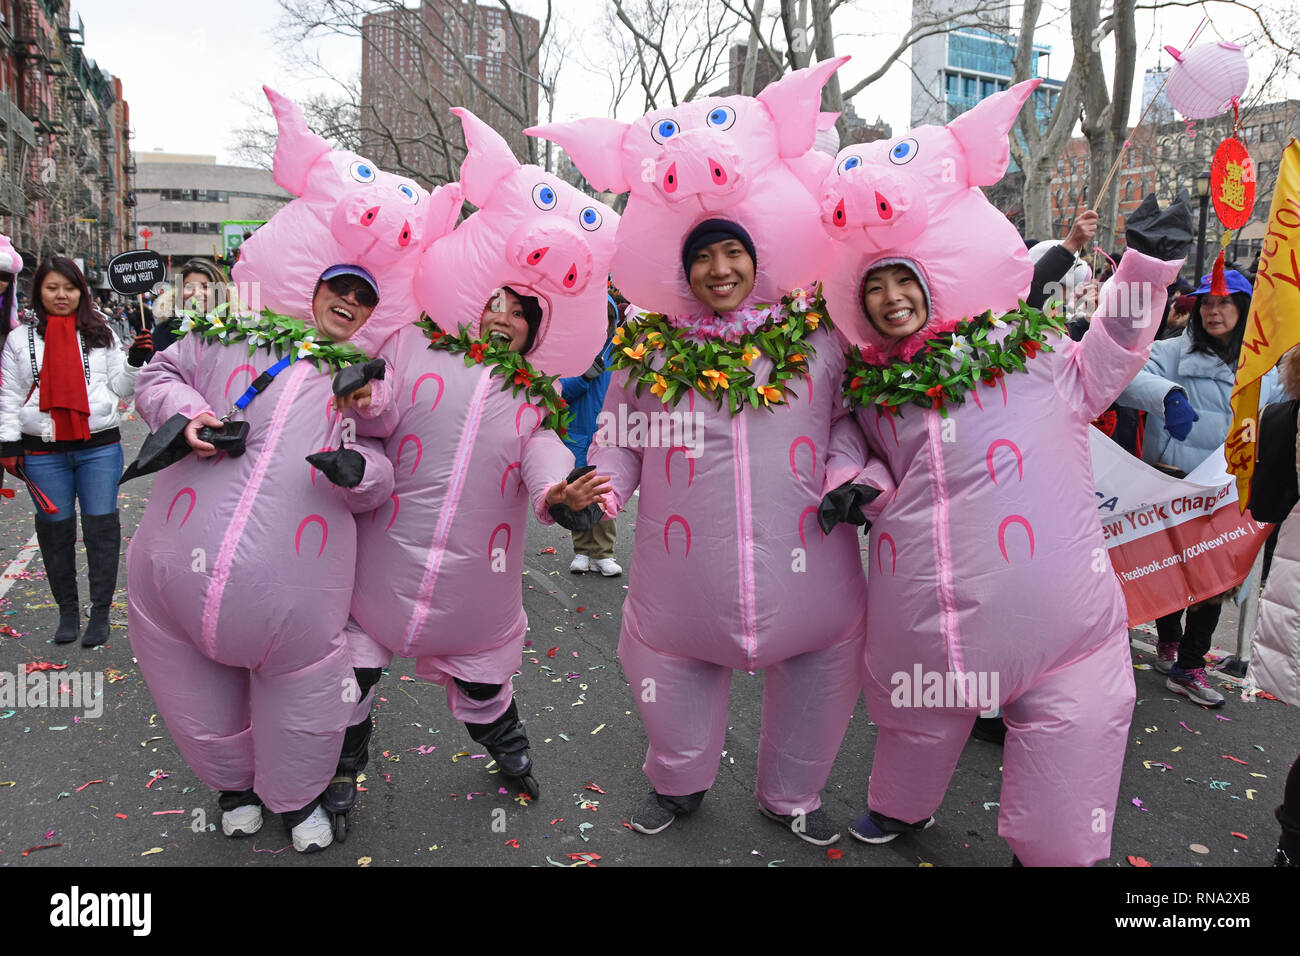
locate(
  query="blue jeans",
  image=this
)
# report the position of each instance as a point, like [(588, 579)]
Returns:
[(90, 476)]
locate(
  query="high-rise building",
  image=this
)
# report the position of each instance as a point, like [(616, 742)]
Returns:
[(954, 70), (1162, 111), (410, 79)]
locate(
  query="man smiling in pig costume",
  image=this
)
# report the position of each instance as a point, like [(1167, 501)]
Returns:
[(729, 569), (242, 568), (513, 298), (989, 580)]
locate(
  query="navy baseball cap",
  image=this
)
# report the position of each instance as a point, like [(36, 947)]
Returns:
[(350, 270)]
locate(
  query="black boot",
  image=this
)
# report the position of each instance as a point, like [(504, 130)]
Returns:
[(103, 534), (507, 742), (58, 541)]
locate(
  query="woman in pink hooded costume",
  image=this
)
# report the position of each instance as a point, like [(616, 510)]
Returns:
[(242, 568), (989, 582), (473, 436), (733, 427)]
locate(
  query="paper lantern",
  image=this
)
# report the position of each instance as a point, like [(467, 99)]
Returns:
[(1206, 79)]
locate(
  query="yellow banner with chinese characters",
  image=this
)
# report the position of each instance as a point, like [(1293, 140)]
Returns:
[(1273, 326)]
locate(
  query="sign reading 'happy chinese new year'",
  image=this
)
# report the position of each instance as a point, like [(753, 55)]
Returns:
[(1232, 183)]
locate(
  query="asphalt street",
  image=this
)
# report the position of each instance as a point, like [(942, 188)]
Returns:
[(1199, 786)]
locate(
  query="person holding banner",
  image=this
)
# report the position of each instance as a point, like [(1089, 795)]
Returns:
[(62, 378), (1186, 386)]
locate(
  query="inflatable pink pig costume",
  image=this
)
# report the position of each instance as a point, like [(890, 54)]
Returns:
[(242, 569), (438, 575), (988, 562), (730, 569)]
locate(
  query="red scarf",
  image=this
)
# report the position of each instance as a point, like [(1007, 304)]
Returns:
[(63, 380)]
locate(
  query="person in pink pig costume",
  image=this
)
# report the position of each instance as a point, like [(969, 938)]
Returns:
[(242, 568), (513, 298), (989, 581), (733, 457)]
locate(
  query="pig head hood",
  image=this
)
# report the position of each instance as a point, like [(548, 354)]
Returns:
[(730, 158), (534, 233), (347, 210), (915, 200)]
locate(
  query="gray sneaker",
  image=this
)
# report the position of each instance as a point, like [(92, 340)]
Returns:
[(816, 827), (652, 816), (1194, 685)]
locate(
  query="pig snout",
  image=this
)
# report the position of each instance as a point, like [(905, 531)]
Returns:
[(878, 204), (558, 257), (697, 163), (384, 230)]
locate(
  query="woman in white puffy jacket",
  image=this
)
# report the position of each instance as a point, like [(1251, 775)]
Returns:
[(62, 377)]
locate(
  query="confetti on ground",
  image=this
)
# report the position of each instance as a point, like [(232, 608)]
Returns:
[(835, 854), (152, 851), (1221, 717), (1234, 759), (582, 831), (551, 653), (589, 785), (157, 775), (8, 783), (1137, 861), (163, 813), (1198, 848), (1219, 784), (512, 843), (1258, 747), (1138, 803), (120, 816), (363, 861), (1250, 794), (557, 820), (1183, 724), (991, 804), (598, 730), (547, 551), (87, 784), (281, 850), (47, 846), (588, 858), (456, 756), (1263, 776), (1239, 836)]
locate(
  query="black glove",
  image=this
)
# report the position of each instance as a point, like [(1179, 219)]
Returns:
[(343, 467), (845, 504), (1164, 235), (596, 371), (354, 376), (141, 349)]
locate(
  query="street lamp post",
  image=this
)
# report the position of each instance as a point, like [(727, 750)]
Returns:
[(1203, 193)]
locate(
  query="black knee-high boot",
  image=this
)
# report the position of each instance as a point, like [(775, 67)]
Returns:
[(103, 534), (58, 540)]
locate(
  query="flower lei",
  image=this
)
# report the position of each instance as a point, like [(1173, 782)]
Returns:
[(720, 369), (951, 364), (509, 365), (274, 332)]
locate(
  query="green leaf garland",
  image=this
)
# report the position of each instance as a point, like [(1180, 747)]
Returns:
[(721, 370), (951, 364), (517, 374), (272, 332)]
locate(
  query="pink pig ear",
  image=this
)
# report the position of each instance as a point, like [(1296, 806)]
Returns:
[(488, 160), (794, 102), (444, 209), (983, 129), (595, 145), (296, 147)]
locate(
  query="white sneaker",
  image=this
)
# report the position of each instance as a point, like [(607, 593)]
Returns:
[(314, 833), (580, 564), (607, 567), (242, 821)]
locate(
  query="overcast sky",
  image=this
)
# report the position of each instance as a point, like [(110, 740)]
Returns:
[(189, 68)]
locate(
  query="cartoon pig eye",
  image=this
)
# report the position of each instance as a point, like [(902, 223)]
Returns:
[(411, 196), (849, 162), (722, 117), (664, 129), (362, 172), (544, 196), (903, 152), (589, 219)]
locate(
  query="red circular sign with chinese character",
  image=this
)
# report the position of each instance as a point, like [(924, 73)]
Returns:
[(1232, 183)]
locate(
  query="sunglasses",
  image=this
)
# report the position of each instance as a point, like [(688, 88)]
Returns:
[(360, 288)]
